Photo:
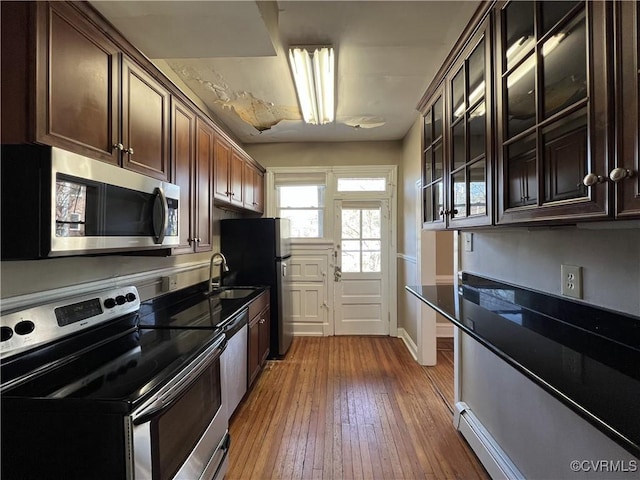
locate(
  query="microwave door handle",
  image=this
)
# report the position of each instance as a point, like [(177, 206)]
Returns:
[(160, 215)]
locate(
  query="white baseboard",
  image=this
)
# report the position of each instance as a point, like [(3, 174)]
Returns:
[(444, 330), (489, 452), (409, 343)]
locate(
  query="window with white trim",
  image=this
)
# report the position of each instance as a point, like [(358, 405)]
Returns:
[(303, 205)]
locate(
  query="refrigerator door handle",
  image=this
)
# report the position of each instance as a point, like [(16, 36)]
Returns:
[(284, 269)]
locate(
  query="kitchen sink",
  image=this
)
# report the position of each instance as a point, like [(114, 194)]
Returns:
[(233, 293)]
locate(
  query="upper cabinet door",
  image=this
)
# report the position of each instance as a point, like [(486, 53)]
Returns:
[(468, 133), (236, 179), (76, 84), (222, 169), (627, 175), (183, 157), (145, 122), (433, 174), (553, 112)]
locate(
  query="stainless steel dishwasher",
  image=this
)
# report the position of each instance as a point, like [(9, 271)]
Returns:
[(234, 361)]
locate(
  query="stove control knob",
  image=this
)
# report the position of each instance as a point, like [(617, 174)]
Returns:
[(109, 303), (24, 327), (5, 334), (131, 297), (120, 300)]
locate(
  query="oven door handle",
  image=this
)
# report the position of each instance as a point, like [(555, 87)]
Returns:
[(169, 394)]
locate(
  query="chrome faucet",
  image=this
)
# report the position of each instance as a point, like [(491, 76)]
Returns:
[(223, 268)]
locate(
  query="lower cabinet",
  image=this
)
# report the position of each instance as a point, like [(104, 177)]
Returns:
[(259, 336)]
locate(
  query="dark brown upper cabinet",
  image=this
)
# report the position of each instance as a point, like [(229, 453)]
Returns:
[(554, 114), (626, 171), (433, 209), (79, 91), (60, 80), (145, 123), (457, 158), (468, 165)]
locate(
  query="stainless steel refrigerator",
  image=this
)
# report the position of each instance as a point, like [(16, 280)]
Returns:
[(257, 252)]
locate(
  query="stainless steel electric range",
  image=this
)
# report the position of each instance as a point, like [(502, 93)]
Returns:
[(88, 393)]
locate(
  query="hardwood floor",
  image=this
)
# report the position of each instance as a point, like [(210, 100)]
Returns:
[(347, 407), (441, 375)]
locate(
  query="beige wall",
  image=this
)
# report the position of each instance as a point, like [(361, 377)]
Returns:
[(410, 172), (325, 154)]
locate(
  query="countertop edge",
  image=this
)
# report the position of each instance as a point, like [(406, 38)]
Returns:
[(603, 427)]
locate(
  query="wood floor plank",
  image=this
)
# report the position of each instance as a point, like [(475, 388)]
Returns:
[(350, 407)]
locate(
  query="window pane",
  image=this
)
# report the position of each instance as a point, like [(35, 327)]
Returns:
[(521, 98), (458, 146), (371, 261), (565, 67), (371, 223), (519, 38), (351, 245), (475, 131), (304, 196), (438, 162), (350, 223), (476, 75), (362, 184), (457, 95), (437, 119), (350, 261), (459, 194), (552, 12), (304, 223), (477, 189), (371, 245)]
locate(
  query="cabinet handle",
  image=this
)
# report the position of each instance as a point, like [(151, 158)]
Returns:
[(262, 320), (619, 173), (130, 151), (118, 146), (592, 179)]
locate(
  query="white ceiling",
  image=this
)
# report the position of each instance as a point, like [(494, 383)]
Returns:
[(233, 56)]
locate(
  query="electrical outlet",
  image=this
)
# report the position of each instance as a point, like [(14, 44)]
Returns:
[(169, 283), (571, 280)]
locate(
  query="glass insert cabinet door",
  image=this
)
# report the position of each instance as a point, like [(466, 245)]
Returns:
[(551, 108), (468, 125), (433, 207)]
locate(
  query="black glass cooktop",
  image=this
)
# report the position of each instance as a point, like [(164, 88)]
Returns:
[(585, 356), (121, 373)]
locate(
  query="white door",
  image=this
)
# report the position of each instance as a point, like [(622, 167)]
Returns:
[(361, 280)]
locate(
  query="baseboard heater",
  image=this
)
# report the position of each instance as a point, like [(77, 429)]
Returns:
[(489, 452)]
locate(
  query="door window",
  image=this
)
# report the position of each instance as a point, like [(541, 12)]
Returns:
[(361, 240)]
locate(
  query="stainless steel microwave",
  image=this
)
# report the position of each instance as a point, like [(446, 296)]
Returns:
[(57, 203)]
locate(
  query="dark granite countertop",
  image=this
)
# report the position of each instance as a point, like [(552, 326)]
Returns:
[(585, 356)]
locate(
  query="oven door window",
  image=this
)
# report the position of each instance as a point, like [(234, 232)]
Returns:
[(177, 430)]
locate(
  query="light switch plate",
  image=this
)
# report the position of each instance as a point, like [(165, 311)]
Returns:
[(571, 280), (468, 241)]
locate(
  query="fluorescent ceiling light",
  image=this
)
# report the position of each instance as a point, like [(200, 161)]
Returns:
[(314, 77)]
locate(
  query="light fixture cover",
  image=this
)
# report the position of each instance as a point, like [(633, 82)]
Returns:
[(314, 77)]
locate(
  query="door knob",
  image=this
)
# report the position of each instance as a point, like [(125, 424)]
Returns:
[(118, 146), (130, 151), (591, 179), (619, 173)]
